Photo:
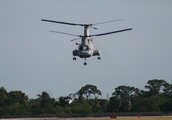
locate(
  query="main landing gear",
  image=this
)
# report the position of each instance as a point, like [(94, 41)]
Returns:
[(85, 63), (99, 58), (74, 58)]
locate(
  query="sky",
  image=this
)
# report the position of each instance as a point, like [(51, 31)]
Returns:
[(34, 60)]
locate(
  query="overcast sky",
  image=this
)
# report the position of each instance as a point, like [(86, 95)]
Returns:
[(34, 60)]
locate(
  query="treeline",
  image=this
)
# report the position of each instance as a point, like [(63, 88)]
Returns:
[(156, 98)]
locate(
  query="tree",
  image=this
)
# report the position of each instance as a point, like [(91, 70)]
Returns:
[(168, 90), (17, 97), (115, 103), (45, 100), (79, 108), (62, 103), (3, 96), (155, 87), (150, 104), (103, 103), (15, 102), (43, 95), (125, 94), (87, 90), (95, 103)]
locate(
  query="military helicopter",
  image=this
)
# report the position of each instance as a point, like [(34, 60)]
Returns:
[(86, 47)]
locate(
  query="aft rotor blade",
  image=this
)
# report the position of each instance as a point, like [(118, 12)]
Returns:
[(79, 24), (66, 33), (61, 22), (111, 32), (107, 22)]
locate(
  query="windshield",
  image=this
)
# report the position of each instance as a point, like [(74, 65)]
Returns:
[(84, 48)]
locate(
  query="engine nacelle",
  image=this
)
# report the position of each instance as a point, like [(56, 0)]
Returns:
[(96, 52), (75, 52)]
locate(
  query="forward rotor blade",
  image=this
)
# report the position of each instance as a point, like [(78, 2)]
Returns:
[(75, 39), (66, 33), (94, 28), (61, 22), (111, 32), (107, 22)]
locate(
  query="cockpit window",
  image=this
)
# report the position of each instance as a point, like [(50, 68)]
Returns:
[(84, 48)]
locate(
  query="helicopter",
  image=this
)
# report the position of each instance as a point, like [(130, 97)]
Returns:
[(86, 47)]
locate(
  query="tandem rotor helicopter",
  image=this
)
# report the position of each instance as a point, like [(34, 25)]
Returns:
[(86, 47)]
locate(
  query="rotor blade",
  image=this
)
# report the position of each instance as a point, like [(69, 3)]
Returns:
[(66, 33), (111, 32), (107, 22), (61, 22), (74, 39), (94, 28), (79, 24)]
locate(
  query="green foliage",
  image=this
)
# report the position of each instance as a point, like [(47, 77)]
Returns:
[(126, 92), (62, 104), (78, 108), (17, 97), (44, 100), (103, 104), (168, 90), (3, 96), (155, 86), (123, 97), (87, 91), (157, 98), (151, 104), (115, 103)]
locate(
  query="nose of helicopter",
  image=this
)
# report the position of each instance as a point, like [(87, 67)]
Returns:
[(86, 53)]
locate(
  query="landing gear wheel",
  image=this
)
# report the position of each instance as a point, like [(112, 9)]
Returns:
[(85, 61), (98, 58), (74, 58)]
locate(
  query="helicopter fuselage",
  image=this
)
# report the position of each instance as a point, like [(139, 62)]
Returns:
[(86, 49)]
